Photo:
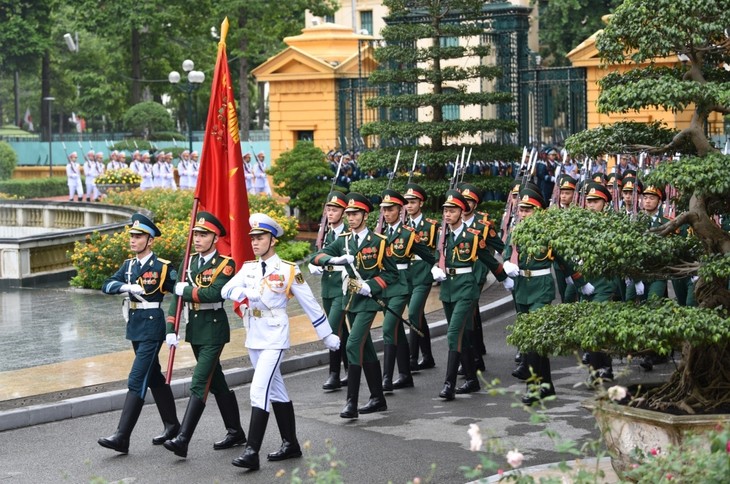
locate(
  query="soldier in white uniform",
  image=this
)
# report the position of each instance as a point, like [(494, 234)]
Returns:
[(248, 173), (264, 287), (73, 178), (193, 173), (136, 164), (145, 171), (184, 166), (100, 166), (91, 172), (261, 182)]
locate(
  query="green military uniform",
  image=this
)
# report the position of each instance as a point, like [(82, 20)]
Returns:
[(376, 271), (207, 331), (420, 281), (332, 276), (459, 289), (403, 244)]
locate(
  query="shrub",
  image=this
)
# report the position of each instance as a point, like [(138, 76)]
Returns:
[(294, 250), (8, 160), (167, 136), (163, 203), (35, 187), (147, 117), (272, 208)]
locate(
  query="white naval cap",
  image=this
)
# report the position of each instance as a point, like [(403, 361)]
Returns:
[(262, 223)]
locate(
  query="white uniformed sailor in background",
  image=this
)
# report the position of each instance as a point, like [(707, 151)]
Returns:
[(264, 287)]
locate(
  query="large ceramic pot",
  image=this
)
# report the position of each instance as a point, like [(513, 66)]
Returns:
[(626, 429)]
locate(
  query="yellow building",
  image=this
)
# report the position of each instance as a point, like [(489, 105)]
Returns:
[(586, 55), (303, 84)]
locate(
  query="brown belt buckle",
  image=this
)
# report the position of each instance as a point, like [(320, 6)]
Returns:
[(527, 273), (256, 313), (196, 306), (329, 268), (451, 271)]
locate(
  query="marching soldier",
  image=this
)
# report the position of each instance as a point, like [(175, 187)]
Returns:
[(136, 164), (261, 182), (462, 247), (145, 279), (475, 334), (122, 160), (332, 277), (100, 168), (566, 289), (207, 331), (73, 178), (248, 173), (91, 172), (370, 271), (531, 281), (194, 170), (183, 170), (146, 173), (420, 279), (265, 287), (403, 244)]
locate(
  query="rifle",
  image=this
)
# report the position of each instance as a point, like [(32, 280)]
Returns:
[(323, 222), (442, 232), (404, 214), (531, 164), (464, 166), (381, 218), (510, 200), (584, 187), (555, 196), (614, 188), (635, 198)]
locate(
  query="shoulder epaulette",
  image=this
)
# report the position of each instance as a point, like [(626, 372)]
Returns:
[(224, 256), (433, 221), (164, 261), (474, 231), (345, 234), (251, 261), (409, 228), (287, 262), (380, 235)]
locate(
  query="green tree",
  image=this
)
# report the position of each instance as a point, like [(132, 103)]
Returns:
[(427, 42), (638, 32), (566, 23), (8, 160), (146, 118), (299, 174)]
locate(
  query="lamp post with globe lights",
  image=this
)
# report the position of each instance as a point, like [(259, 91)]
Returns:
[(195, 79)]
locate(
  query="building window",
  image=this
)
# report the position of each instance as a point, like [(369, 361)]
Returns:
[(366, 21), (306, 135), (330, 19), (451, 111), (449, 41)]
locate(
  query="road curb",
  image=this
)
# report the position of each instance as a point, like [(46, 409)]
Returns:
[(114, 400)]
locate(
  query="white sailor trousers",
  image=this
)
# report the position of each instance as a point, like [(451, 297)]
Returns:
[(267, 385)]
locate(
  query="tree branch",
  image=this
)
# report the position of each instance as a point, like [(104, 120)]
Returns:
[(673, 225)]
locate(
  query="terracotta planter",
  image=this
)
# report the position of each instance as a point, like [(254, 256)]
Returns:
[(626, 429)]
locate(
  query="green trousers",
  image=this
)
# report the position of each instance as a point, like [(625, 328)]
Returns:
[(393, 330), (459, 315), (208, 374), (360, 347)]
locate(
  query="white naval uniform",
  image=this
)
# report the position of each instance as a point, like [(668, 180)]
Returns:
[(146, 173), (73, 179), (267, 324), (91, 172)]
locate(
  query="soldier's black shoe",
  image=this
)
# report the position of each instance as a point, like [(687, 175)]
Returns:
[(414, 365), (119, 441), (165, 402), (605, 374), (469, 386), (460, 371), (287, 450), (349, 410), (248, 460), (585, 358), (646, 363), (522, 372), (284, 413), (353, 389), (529, 400), (427, 363), (479, 364), (179, 445), (518, 357), (387, 384), (333, 382), (375, 404), (403, 381), (448, 392), (235, 435)]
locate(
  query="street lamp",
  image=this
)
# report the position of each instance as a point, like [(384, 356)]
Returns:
[(195, 79), (50, 136)]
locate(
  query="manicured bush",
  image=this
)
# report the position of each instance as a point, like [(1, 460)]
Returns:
[(8, 160), (147, 118), (163, 203), (125, 176), (35, 187), (294, 250)]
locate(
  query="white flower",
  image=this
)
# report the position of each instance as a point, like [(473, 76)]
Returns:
[(617, 393), (476, 437), (515, 458)]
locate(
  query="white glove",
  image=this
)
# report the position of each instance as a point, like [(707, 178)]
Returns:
[(180, 287), (172, 340), (252, 294), (569, 281), (332, 342), (509, 283), (236, 294), (639, 286), (364, 290), (438, 274), (694, 279), (341, 260), (588, 289), (315, 270), (512, 270), (132, 288)]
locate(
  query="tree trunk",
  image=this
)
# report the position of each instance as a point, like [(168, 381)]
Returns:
[(244, 119), (262, 106), (136, 67), (45, 92)]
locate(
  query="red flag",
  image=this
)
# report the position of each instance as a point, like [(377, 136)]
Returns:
[(221, 188)]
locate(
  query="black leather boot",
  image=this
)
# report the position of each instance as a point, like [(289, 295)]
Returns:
[(471, 384), (119, 441), (425, 342), (235, 435), (402, 356), (333, 380), (376, 403), (353, 390), (452, 365), (544, 375), (388, 367), (165, 402), (345, 366), (179, 445), (413, 347), (530, 359), (284, 413), (249, 459)]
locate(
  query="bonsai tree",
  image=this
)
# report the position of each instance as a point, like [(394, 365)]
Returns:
[(146, 118), (612, 244)]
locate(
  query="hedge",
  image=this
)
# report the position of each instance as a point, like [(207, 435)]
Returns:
[(35, 187)]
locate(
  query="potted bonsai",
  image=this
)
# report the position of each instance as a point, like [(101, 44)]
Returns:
[(616, 245)]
